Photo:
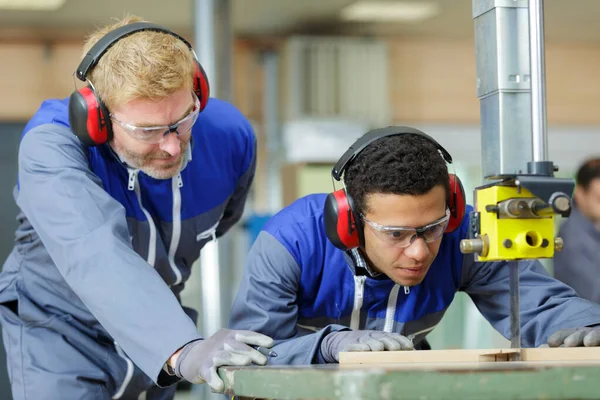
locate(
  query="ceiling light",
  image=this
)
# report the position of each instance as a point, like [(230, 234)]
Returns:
[(389, 11), (31, 5)]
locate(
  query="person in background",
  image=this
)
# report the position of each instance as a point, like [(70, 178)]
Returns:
[(578, 264), (120, 186), (375, 265)]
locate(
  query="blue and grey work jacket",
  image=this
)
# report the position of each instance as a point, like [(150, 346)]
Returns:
[(109, 248), (297, 287)]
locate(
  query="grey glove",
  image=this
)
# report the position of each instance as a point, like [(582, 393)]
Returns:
[(588, 337), (198, 361), (335, 342)]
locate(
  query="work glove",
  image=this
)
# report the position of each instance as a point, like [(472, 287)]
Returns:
[(199, 360), (588, 337), (335, 342)]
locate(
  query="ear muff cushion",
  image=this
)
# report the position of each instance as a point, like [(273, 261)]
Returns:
[(201, 86), (457, 203), (357, 221), (88, 117), (340, 226)]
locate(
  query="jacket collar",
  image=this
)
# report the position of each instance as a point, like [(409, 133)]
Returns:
[(359, 266)]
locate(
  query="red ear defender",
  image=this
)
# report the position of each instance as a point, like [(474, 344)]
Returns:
[(342, 226), (88, 117), (201, 86), (457, 203)]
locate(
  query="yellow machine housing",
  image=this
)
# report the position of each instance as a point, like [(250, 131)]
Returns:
[(528, 233)]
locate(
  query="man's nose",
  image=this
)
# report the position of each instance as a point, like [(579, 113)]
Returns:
[(417, 250), (171, 144)]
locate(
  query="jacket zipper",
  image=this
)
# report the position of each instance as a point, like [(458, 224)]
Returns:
[(359, 289), (134, 185), (210, 232), (176, 184), (414, 335), (391, 309)]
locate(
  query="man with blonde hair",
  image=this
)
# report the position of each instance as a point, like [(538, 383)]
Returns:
[(120, 186)]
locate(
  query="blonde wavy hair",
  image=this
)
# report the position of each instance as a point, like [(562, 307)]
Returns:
[(145, 65)]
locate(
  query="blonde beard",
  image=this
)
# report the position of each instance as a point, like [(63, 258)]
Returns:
[(133, 161), (162, 173)]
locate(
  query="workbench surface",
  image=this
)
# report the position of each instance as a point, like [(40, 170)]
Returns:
[(493, 380)]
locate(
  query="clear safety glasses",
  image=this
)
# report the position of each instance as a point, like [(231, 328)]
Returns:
[(156, 134), (399, 236)]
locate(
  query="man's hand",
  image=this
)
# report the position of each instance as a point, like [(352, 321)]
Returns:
[(335, 342), (589, 337), (198, 361)]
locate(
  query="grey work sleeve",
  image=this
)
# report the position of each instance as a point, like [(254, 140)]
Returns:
[(577, 265), (546, 304), (266, 303), (235, 206), (85, 232)]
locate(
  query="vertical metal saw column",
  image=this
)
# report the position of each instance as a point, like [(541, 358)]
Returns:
[(513, 217), (538, 81), (503, 84), (503, 88)]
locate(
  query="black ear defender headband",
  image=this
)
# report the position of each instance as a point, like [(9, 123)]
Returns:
[(88, 116), (343, 226)]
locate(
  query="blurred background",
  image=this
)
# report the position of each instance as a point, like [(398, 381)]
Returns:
[(312, 76)]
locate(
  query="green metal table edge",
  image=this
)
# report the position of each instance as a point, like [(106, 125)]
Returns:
[(497, 380)]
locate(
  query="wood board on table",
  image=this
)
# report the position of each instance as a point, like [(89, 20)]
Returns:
[(472, 355)]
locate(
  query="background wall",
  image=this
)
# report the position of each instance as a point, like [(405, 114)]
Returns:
[(432, 80)]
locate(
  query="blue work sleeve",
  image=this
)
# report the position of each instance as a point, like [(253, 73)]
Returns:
[(85, 233), (547, 305), (266, 303), (235, 206)]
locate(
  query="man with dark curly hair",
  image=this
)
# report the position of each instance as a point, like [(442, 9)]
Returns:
[(374, 266), (577, 264)]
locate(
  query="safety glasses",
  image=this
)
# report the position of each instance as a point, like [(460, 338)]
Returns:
[(156, 134), (399, 236)]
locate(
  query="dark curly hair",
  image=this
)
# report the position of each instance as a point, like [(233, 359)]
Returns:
[(400, 164), (587, 172)]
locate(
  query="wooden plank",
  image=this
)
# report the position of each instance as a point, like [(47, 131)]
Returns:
[(471, 355), (428, 356), (561, 354)]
